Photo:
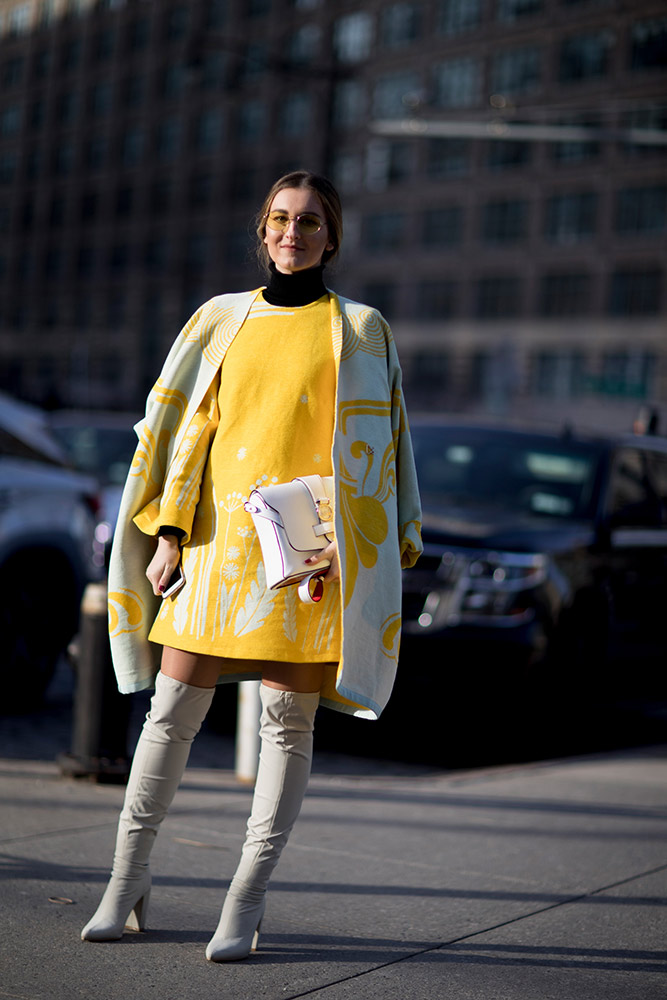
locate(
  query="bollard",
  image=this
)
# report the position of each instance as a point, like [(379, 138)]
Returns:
[(101, 713), (247, 731)]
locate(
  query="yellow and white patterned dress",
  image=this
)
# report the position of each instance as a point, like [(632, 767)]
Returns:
[(268, 417)]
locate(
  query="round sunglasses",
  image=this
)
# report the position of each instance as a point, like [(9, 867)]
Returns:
[(307, 224)]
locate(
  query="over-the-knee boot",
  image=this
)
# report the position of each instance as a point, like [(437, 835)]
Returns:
[(284, 768), (176, 714)]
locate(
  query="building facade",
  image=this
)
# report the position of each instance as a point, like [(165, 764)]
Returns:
[(502, 165)]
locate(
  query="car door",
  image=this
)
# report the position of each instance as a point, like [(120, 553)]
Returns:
[(637, 521)]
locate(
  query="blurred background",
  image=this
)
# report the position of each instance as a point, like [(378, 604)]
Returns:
[(502, 169)]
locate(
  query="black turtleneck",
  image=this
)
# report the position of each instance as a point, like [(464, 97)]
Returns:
[(297, 289)]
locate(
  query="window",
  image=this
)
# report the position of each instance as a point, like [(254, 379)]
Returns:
[(100, 98), (517, 71), (448, 157), (19, 19), (633, 499), (442, 227), (458, 83), (559, 375), (172, 82), (458, 16), (635, 292), (211, 66), (571, 217), (132, 146), (388, 163), (382, 296), (497, 297), (200, 190), (118, 258), (209, 130), (565, 294), (63, 159), (504, 155), (626, 373), (68, 106), (304, 45), (349, 103), (156, 253), (8, 162), (13, 71), (255, 63), (295, 114), (391, 92), (95, 152), (437, 299), (198, 253), (70, 56), (504, 221), (399, 24), (585, 56), (56, 212), (649, 44), (103, 45), (513, 10), (251, 121), (347, 171), (161, 194), (124, 201), (573, 150), (353, 37), (89, 206), (10, 121), (176, 22), (168, 139), (429, 372), (138, 34), (652, 117), (642, 210), (383, 231)]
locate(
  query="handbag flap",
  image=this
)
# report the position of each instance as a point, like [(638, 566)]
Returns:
[(296, 510)]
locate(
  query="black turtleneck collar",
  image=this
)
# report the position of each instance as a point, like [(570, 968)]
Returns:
[(297, 289)]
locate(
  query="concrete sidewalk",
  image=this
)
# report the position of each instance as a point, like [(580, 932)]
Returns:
[(518, 883)]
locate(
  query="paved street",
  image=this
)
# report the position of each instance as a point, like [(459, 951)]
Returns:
[(525, 882)]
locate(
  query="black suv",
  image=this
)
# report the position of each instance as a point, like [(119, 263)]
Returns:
[(545, 555)]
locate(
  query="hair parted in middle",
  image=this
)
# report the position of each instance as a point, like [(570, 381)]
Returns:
[(329, 198)]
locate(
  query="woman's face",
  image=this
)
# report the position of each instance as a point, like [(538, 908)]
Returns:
[(291, 250)]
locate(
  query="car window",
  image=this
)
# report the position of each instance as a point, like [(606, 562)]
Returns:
[(460, 466), (634, 498)]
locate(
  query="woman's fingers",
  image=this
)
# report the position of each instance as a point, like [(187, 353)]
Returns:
[(330, 553), (162, 565)]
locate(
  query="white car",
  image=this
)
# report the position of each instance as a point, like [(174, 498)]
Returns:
[(47, 529)]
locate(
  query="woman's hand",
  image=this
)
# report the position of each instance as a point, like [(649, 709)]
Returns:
[(164, 562), (330, 553)]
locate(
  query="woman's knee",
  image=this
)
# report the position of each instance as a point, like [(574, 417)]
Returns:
[(190, 668), (303, 678)]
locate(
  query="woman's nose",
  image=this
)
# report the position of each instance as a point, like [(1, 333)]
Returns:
[(292, 228)]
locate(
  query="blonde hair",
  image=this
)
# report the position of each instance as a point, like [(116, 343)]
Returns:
[(329, 199)]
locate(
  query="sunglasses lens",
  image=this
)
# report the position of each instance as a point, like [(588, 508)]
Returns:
[(308, 224)]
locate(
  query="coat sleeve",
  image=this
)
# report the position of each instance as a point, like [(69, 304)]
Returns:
[(177, 503), (407, 489)]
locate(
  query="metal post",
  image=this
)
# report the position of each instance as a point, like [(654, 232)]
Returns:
[(101, 714), (247, 731)]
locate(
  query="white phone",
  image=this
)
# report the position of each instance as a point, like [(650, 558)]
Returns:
[(176, 581)]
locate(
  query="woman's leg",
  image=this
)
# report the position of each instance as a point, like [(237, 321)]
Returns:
[(184, 690), (290, 694)]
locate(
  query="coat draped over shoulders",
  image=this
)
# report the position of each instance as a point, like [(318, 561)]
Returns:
[(377, 509)]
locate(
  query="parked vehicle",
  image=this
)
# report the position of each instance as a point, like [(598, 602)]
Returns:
[(100, 444), (545, 555), (47, 523)]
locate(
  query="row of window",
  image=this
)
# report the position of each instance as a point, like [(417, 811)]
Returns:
[(565, 374), (567, 218), (173, 24), (637, 291), (628, 292)]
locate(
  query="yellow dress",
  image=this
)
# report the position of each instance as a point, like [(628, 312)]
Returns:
[(268, 417)]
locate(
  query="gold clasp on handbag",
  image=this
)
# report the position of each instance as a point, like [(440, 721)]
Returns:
[(324, 510)]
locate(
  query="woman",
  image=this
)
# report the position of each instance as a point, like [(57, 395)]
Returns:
[(285, 381)]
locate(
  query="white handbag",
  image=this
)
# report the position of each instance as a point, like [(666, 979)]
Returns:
[(294, 521)]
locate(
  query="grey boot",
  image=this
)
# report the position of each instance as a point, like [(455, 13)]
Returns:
[(176, 714), (284, 769)]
